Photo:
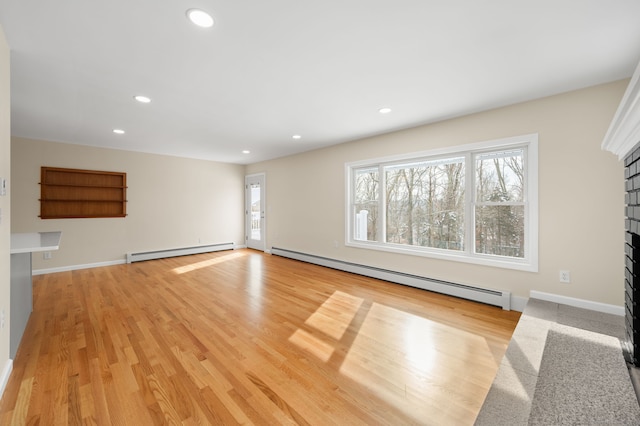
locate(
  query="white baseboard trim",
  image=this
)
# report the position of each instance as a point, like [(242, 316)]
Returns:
[(75, 267), (88, 265), (178, 251), (6, 372), (493, 297), (518, 303), (578, 303)]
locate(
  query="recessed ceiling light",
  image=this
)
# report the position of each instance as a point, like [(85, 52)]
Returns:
[(142, 99), (200, 18), (118, 131), (297, 137), (246, 151), (384, 110)]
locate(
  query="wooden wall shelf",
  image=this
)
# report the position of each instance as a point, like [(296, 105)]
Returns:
[(76, 193)]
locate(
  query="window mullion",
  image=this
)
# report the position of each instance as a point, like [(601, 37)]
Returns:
[(470, 199), (526, 199), (382, 206)]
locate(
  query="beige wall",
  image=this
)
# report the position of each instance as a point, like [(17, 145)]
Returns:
[(5, 202), (581, 196), (172, 202), (176, 202)]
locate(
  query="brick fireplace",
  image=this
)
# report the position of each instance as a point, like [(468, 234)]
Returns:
[(623, 140), (631, 344)]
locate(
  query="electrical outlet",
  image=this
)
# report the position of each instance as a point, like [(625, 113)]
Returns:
[(46, 255), (565, 276), (2, 319)]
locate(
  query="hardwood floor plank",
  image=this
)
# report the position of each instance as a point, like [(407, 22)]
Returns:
[(242, 337), (20, 411), (98, 393)]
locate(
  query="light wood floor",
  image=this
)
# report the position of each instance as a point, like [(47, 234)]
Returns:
[(241, 337)]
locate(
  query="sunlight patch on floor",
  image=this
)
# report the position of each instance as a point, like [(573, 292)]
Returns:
[(417, 342), (312, 344), (393, 354), (330, 321), (401, 366), (206, 263), (379, 340), (335, 314)]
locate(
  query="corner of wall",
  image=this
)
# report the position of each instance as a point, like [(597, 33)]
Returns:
[(5, 213)]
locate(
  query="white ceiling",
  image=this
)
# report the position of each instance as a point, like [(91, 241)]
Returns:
[(270, 69)]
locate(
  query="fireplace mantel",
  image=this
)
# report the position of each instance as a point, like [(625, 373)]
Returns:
[(624, 131)]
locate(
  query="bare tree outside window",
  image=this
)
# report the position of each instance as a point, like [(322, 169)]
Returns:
[(425, 204), (499, 207)]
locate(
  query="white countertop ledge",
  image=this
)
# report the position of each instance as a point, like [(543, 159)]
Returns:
[(35, 241)]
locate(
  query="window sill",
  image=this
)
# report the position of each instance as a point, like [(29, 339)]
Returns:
[(464, 257)]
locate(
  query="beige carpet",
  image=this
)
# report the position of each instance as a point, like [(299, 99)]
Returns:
[(563, 366), (583, 380)]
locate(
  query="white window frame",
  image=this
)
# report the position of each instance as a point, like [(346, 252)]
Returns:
[(528, 263)]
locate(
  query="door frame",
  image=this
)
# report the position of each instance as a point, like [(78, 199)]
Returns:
[(250, 243)]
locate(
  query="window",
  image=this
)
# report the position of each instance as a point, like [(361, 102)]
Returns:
[(475, 203), (499, 204)]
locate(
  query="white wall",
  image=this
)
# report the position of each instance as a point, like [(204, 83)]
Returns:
[(581, 196), (5, 206), (172, 202)]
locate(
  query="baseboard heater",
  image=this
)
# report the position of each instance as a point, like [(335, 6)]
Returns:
[(490, 297), (160, 254)]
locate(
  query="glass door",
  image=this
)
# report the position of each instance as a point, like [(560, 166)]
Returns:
[(254, 211)]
